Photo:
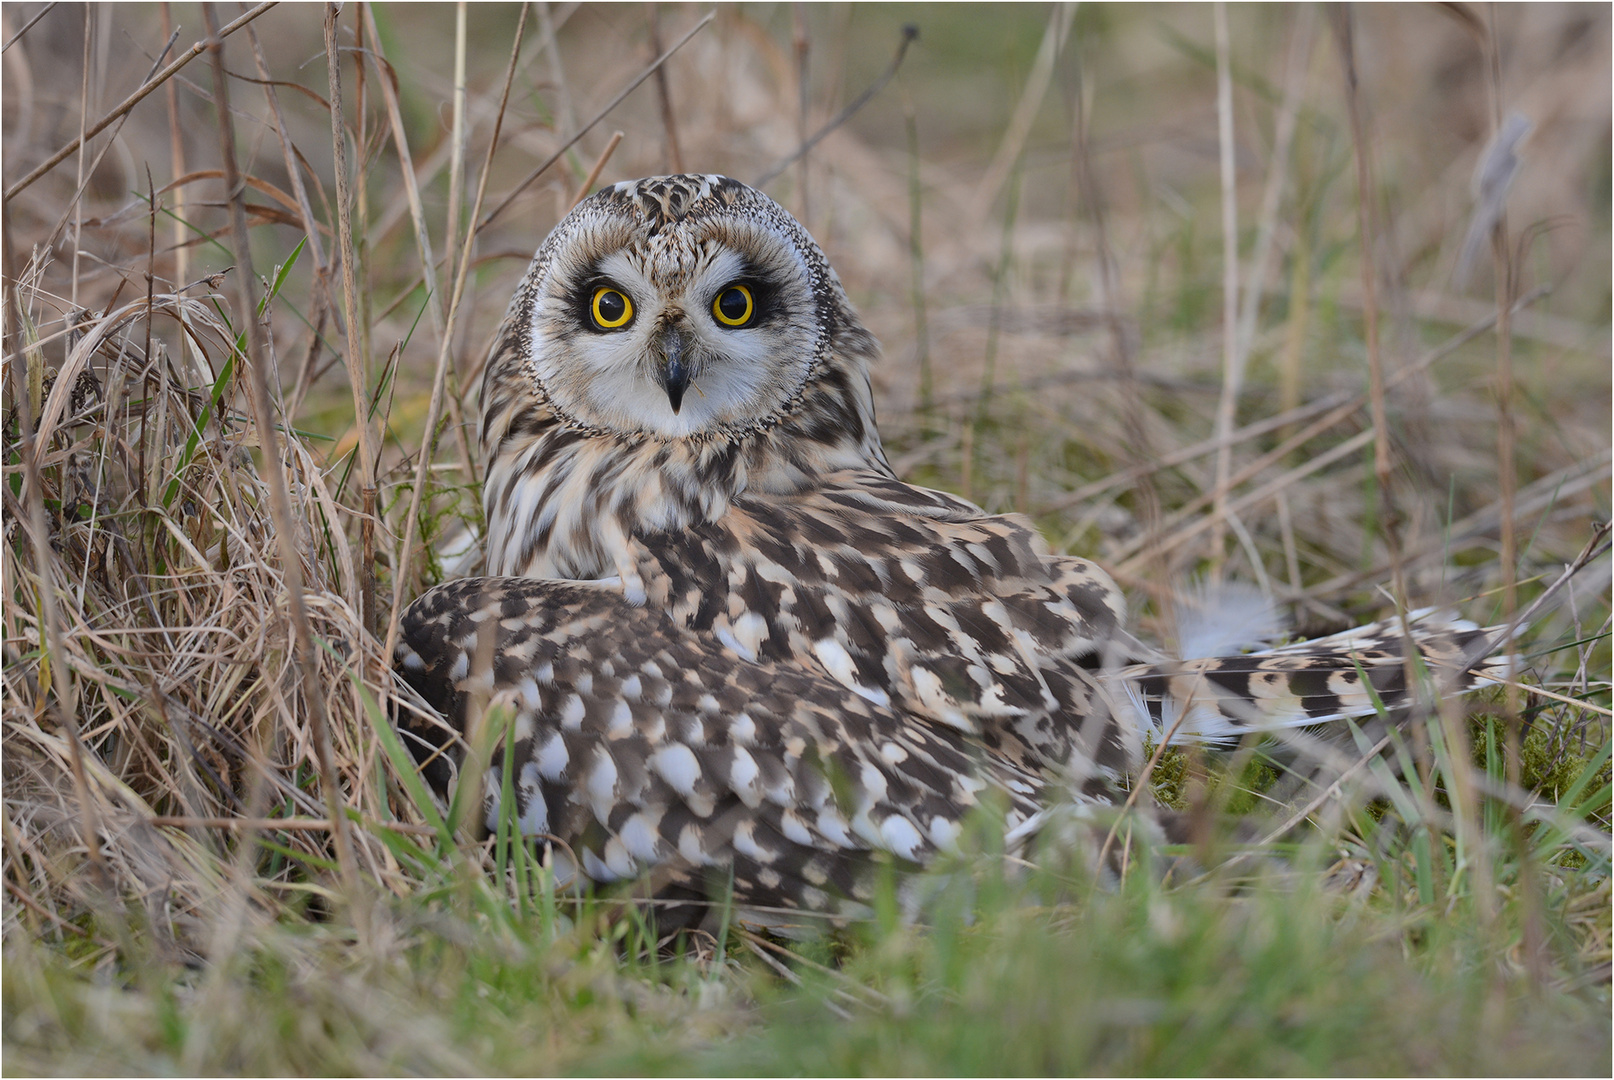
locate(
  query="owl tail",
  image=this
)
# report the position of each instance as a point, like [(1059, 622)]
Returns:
[(1358, 673)]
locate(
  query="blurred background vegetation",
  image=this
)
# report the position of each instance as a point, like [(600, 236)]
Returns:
[(1027, 178), (1032, 216)]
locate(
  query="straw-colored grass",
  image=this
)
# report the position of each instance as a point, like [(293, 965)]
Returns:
[(239, 424)]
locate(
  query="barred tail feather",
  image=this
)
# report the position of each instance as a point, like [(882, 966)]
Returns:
[(1352, 674)]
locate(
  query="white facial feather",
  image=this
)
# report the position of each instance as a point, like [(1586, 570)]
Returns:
[(672, 276)]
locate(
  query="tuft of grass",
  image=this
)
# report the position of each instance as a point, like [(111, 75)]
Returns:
[(1281, 975), (1277, 978)]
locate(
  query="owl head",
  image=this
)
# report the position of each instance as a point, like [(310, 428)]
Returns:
[(679, 307)]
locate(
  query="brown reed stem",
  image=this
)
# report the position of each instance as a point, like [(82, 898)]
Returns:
[(1090, 197), (436, 302), (1503, 270), (294, 172), (75, 204), (586, 128), (176, 162), (799, 45), (669, 118), (274, 466), (1293, 416), (151, 260), (1010, 150), (599, 166), (910, 34), (236, 824), (434, 409), (916, 263), (1389, 519), (457, 136), (59, 699), (357, 363), (134, 99), (27, 26), (1232, 362), (78, 203), (1367, 229)]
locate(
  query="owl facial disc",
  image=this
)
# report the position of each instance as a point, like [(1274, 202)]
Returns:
[(677, 307)]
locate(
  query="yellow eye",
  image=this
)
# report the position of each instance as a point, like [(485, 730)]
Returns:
[(733, 306), (611, 308)]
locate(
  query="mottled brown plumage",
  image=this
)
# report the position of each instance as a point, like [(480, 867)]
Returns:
[(644, 745), (774, 658)]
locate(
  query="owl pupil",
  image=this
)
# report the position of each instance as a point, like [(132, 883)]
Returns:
[(732, 304), (611, 306)]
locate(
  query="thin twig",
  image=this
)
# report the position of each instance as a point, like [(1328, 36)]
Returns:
[(1232, 362), (322, 270), (1088, 195), (236, 824), (60, 700), (27, 26), (76, 207), (357, 363), (299, 190), (1305, 412), (751, 942), (434, 410), (1541, 691), (435, 302), (1310, 808), (910, 34), (916, 261), (669, 120), (550, 46), (35, 906), (586, 128), (1036, 86), (1596, 546), (1570, 480), (176, 157), (1294, 84), (274, 465), (849, 986), (800, 44), (1266, 491), (1508, 481), (1368, 231), (1141, 784), (1249, 471), (457, 135), (134, 99), (599, 167)]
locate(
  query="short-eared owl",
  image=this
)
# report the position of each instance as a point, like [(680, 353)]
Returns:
[(733, 645)]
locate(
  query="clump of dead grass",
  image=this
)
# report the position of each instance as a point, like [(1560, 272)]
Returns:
[(158, 622)]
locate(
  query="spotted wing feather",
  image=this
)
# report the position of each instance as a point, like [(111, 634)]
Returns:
[(913, 600), (644, 746), (1354, 674)]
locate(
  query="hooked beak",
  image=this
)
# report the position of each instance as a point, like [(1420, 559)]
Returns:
[(673, 374)]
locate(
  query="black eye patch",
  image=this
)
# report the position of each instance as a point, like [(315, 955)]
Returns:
[(597, 313), (767, 305)]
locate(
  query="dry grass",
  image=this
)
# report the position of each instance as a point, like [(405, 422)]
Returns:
[(1030, 215)]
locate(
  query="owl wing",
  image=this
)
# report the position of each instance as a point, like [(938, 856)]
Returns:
[(916, 600), (913, 600), (1358, 673), (645, 745)]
